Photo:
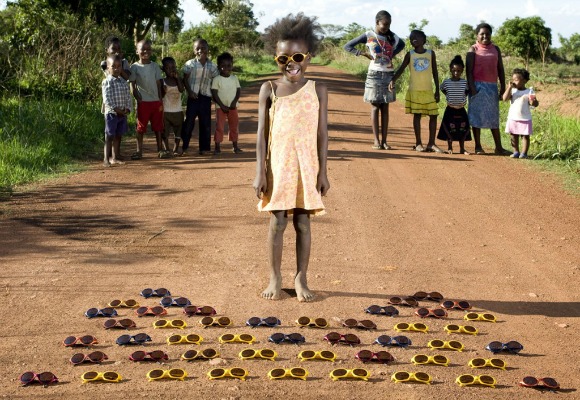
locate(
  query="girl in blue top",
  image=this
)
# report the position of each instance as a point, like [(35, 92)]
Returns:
[(381, 46)]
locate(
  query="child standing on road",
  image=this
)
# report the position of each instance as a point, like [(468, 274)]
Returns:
[(225, 89), (172, 111), (455, 124), (382, 45), (291, 147), (146, 85), (117, 103), (198, 74), (420, 99), (113, 48), (519, 120)]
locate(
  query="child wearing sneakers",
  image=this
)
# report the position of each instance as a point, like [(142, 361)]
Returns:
[(172, 111), (146, 86), (225, 90)]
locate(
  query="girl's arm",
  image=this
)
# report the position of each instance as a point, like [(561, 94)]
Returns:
[(264, 104), (507, 94), (435, 76), (399, 47), (322, 184), (469, 62), (179, 81), (400, 71), (500, 72), (350, 46)]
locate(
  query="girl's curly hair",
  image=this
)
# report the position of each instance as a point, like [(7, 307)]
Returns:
[(294, 27)]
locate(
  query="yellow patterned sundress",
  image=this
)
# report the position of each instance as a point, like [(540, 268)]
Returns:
[(292, 161)]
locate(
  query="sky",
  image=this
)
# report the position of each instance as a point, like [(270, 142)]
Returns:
[(444, 16)]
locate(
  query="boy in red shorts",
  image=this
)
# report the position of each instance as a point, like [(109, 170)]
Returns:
[(146, 86)]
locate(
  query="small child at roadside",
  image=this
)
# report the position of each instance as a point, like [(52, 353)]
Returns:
[(455, 124), (198, 74), (146, 85), (519, 120), (113, 47), (292, 147), (225, 89), (117, 102), (420, 99), (172, 111)]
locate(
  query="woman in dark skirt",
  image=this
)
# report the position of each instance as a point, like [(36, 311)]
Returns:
[(455, 124)]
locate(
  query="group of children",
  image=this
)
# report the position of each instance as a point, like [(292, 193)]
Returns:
[(159, 101), (421, 99)]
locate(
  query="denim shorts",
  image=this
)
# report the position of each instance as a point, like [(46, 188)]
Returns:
[(377, 87)]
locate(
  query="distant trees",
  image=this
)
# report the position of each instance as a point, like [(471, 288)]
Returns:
[(527, 38), (570, 49)]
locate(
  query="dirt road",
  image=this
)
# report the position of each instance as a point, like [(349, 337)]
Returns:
[(490, 230)]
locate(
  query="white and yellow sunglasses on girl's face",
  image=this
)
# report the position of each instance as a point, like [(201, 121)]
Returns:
[(296, 57)]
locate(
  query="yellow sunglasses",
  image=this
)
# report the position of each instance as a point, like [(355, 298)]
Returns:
[(312, 322), (173, 373), (124, 303), (404, 326), (355, 373), (192, 338), (230, 338), (317, 355), (466, 379), (479, 317), (444, 344), (206, 354), (437, 359), (487, 362), (109, 376), (219, 373), (167, 323), (280, 373), (471, 330), (404, 376), (213, 321), (296, 57), (266, 354)]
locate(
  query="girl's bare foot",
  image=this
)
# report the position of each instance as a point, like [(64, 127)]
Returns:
[(106, 163), (464, 152), (274, 289), (117, 161), (302, 291)]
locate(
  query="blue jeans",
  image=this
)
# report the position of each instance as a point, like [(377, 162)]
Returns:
[(199, 108)]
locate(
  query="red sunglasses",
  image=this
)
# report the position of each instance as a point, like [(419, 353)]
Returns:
[(436, 313), (156, 355), (382, 357), (459, 305), (156, 311), (540, 383), (194, 310), (337, 338), (122, 324), (94, 357), (87, 340), (404, 301), (44, 378)]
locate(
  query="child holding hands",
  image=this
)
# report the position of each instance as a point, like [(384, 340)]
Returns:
[(291, 148), (519, 120), (420, 99), (225, 89)]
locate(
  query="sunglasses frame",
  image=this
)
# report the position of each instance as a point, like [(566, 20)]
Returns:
[(120, 324), (78, 341), (487, 362), (403, 301), (455, 305), (412, 327), (291, 58), (169, 323), (101, 377), (199, 355), (412, 377), (431, 312), (359, 324), (155, 293), (540, 383), (88, 358), (374, 357), (446, 345), (505, 347), (215, 321), (37, 378), (149, 311), (287, 338), (123, 304), (479, 317), (461, 329), (392, 310), (288, 373), (148, 356), (394, 341), (430, 360), (227, 373), (169, 301), (184, 339), (342, 339), (273, 321), (198, 310), (236, 338), (476, 380), (133, 339), (258, 354), (350, 374), (312, 322), (166, 373), (317, 355), (101, 312)]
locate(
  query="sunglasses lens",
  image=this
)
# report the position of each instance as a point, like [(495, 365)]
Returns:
[(439, 313), (383, 340), (329, 355), (420, 295), (496, 362), (277, 338), (298, 372), (176, 373), (530, 381), (365, 355), (92, 312), (374, 309), (420, 359), (177, 323), (127, 323), (514, 347), (162, 292), (471, 316), (464, 305), (296, 338), (224, 321), (350, 323), (147, 292), (402, 376), (411, 301), (97, 356), (333, 337), (495, 346), (190, 354), (303, 321), (469, 329), (550, 382), (27, 377), (87, 340), (155, 373), (130, 303), (391, 311), (160, 323), (489, 317), (486, 379), (108, 312), (254, 321), (466, 379), (206, 310), (421, 376), (350, 338), (157, 355), (110, 323), (138, 356), (90, 375), (368, 324), (206, 321), (193, 338), (209, 353), (421, 327), (440, 359), (422, 312), (123, 339), (142, 310), (455, 344), (157, 310), (298, 57), (435, 296), (115, 303), (277, 372), (478, 362), (339, 372), (77, 358), (228, 337), (181, 302), (69, 341), (217, 372), (46, 377), (402, 326), (321, 322), (166, 301), (238, 372), (395, 300), (448, 304), (247, 353), (453, 328), (282, 59), (384, 356), (190, 310), (271, 321), (111, 376), (245, 337), (141, 338), (308, 354), (173, 339), (436, 343), (402, 341)]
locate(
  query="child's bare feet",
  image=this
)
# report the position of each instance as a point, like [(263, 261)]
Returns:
[(106, 163), (117, 161), (464, 152), (302, 291), (274, 289)]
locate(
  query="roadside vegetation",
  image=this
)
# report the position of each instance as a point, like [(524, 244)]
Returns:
[(50, 51)]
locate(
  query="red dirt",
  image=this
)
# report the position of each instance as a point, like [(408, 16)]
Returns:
[(490, 230)]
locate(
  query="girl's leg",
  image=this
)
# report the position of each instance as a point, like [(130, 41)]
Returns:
[(417, 129), (477, 140), (375, 123), (525, 144), (431, 146), (176, 146), (384, 125), (278, 222), (303, 243), (450, 146), (462, 147), (515, 139), (497, 140)]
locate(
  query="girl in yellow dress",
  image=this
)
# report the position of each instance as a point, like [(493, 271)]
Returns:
[(292, 146)]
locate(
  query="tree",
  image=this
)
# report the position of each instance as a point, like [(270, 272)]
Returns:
[(418, 26), (466, 36), (213, 7), (237, 25), (527, 38), (570, 49)]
